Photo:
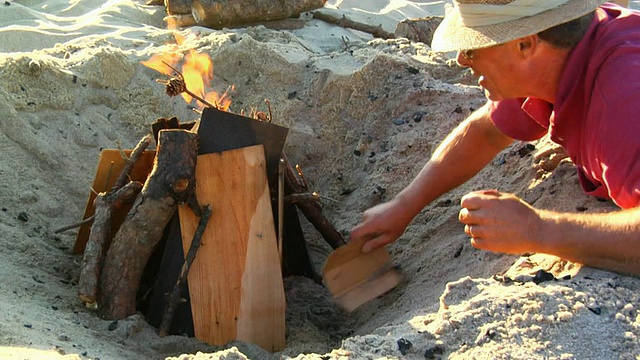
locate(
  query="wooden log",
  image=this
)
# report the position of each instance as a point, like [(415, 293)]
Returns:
[(178, 7), (171, 181), (98, 242), (311, 209), (218, 14), (110, 164), (176, 21)]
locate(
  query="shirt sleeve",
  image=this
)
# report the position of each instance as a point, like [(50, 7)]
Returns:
[(508, 116), (617, 129)]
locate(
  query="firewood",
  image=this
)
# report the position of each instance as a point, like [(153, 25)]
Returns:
[(376, 31), (218, 14), (97, 244), (310, 208), (171, 181), (181, 20), (178, 7)]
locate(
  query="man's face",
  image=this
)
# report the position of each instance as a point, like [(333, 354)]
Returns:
[(496, 68)]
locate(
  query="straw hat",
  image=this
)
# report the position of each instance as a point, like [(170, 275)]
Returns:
[(475, 24)]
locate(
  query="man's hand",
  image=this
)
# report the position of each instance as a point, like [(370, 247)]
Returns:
[(500, 222), (381, 225)]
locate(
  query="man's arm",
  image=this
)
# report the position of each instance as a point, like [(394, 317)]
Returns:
[(504, 223), (462, 154)]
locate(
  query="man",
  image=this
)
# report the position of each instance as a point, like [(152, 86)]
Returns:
[(567, 67)]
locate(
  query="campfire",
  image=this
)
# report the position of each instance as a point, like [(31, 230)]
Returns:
[(203, 228)]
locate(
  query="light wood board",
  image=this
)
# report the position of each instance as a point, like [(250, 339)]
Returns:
[(235, 282), (354, 277)]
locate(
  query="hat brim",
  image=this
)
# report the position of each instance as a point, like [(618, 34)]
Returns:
[(453, 35)]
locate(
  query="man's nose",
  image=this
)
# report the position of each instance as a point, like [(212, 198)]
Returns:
[(462, 60)]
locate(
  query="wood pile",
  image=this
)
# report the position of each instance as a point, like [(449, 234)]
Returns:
[(236, 234)]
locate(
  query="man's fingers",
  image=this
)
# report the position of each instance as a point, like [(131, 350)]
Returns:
[(473, 231), (375, 243), (476, 199)]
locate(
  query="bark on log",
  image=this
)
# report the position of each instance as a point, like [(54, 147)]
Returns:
[(105, 204), (311, 208), (218, 14), (171, 181), (178, 7), (176, 21), (97, 244)]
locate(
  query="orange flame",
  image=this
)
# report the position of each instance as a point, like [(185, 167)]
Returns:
[(196, 70)]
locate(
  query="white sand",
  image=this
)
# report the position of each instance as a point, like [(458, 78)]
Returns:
[(71, 84)]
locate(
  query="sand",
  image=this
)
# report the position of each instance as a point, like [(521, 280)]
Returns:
[(364, 115)]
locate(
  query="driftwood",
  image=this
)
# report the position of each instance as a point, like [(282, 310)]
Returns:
[(178, 7), (105, 204), (174, 298), (171, 181), (376, 31), (218, 14), (310, 207), (184, 20)]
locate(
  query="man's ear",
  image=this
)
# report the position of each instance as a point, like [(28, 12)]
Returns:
[(528, 45)]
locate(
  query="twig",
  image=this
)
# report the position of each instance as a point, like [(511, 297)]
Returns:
[(122, 179), (131, 161), (310, 208), (301, 174), (73, 226), (174, 297), (176, 85), (269, 109), (376, 31)]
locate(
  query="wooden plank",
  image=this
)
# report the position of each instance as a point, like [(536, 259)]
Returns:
[(235, 282), (110, 164), (354, 277)]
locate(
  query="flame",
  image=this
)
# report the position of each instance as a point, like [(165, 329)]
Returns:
[(197, 72)]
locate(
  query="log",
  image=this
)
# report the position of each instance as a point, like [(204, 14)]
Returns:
[(171, 181), (218, 14), (98, 243), (178, 7), (106, 204), (176, 21), (311, 209)]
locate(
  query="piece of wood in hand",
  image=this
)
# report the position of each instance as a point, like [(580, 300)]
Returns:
[(235, 281), (354, 277)]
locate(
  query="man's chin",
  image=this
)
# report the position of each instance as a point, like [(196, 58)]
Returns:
[(491, 96)]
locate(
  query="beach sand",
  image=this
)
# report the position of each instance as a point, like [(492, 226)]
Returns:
[(364, 115)]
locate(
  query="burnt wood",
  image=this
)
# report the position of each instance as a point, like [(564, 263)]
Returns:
[(171, 181)]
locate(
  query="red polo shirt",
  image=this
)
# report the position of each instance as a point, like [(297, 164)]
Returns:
[(596, 116)]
